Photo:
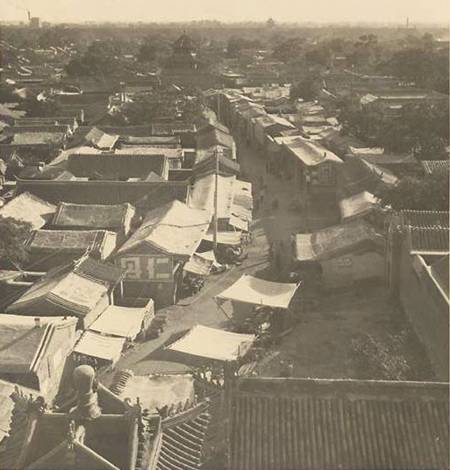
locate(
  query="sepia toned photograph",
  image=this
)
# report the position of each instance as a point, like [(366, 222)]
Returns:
[(224, 235)]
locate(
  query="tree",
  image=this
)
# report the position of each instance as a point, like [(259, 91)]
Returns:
[(101, 57), (430, 192), (289, 50), (13, 234), (237, 44), (305, 89), (154, 49)]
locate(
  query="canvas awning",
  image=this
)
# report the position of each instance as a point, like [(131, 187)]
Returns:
[(124, 322), (212, 343), (249, 289), (198, 265), (107, 348), (225, 238)]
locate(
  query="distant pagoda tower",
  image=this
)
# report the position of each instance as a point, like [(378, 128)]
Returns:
[(184, 54)]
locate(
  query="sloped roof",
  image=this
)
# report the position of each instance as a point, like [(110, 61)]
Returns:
[(7, 405), (74, 290), (201, 194), (33, 138), (214, 137), (174, 228), (208, 163), (428, 240), (172, 140), (357, 175), (28, 208), (21, 341), (92, 215), (336, 240), (436, 166), (311, 154), (357, 205), (307, 424), (425, 219), (101, 139), (72, 240)]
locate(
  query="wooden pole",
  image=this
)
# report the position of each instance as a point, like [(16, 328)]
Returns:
[(216, 197)]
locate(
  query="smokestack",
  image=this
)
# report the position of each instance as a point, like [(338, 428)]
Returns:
[(29, 15), (37, 322)]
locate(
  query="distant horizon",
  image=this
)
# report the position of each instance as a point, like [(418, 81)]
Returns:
[(320, 12), (375, 24)]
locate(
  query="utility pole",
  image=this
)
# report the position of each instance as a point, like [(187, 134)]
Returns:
[(216, 197)]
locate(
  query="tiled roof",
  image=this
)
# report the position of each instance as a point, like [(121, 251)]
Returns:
[(173, 228), (32, 138), (428, 240), (71, 240), (436, 166), (183, 439), (425, 219), (337, 240), (91, 215), (304, 424), (98, 270), (214, 137)]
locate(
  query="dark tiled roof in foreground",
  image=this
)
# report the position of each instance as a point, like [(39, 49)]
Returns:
[(429, 240), (301, 424), (425, 219), (431, 167)]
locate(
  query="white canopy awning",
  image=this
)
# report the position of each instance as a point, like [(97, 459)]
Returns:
[(125, 322), (212, 343), (107, 348), (249, 289)]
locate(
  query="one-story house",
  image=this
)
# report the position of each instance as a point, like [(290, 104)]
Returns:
[(117, 218), (82, 289), (153, 256), (33, 350), (342, 254), (50, 248)]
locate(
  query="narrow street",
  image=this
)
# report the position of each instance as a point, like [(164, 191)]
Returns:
[(322, 344)]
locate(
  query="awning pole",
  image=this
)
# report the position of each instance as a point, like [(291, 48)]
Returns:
[(223, 311)]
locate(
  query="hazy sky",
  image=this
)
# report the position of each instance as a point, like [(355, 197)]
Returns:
[(419, 11)]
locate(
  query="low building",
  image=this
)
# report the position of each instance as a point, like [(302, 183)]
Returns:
[(341, 255), (357, 175), (82, 289), (30, 209), (114, 217), (362, 205), (313, 168), (50, 248), (154, 255), (33, 350)]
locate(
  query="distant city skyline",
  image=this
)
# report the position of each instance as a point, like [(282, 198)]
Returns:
[(319, 11)]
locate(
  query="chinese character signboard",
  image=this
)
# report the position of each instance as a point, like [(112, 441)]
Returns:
[(147, 268)]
